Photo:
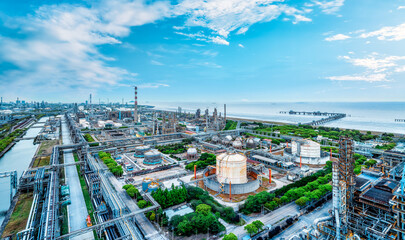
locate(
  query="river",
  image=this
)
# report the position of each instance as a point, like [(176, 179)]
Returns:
[(17, 158)]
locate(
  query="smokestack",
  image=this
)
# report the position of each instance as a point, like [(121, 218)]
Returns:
[(136, 105), (225, 113)]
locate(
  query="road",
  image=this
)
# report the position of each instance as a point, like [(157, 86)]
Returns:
[(272, 218), (77, 211), (305, 221), (146, 226)]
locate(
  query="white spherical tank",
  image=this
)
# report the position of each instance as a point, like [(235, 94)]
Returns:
[(237, 144), (192, 151), (231, 168)]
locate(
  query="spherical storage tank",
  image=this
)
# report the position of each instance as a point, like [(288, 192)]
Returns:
[(237, 144), (152, 157), (192, 153), (250, 143), (231, 168)]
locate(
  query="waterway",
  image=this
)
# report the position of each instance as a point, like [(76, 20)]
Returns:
[(17, 158)]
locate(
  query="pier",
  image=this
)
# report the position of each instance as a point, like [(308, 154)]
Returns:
[(329, 116), (400, 120)]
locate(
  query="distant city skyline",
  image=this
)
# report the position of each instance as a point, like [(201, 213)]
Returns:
[(202, 51)]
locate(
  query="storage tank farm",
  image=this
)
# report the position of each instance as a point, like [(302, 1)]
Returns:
[(307, 152), (232, 175)]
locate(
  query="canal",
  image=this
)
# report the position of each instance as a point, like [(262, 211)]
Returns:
[(17, 158)]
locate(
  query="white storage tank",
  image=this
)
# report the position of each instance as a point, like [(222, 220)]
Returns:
[(192, 153), (237, 144), (306, 148), (231, 167), (152, 157), (140, 151)]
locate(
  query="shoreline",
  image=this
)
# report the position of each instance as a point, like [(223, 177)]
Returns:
[(284, 123)]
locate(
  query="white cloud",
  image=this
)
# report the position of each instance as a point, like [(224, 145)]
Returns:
[(401, 7), (240, 45), (219, 40), (225, 16), (378, 69), (337, 37), (366, 78), (153, 85), (61, 47), (200, 36), (395, 33), (154, 62), (329, 6), (374, 63)]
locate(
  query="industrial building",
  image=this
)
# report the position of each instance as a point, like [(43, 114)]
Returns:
[(232, 175), (367, 206), (307, 152)]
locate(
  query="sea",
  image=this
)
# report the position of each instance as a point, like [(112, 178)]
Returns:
[(369, 116)]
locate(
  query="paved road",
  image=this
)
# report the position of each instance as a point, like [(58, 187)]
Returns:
[(77, 211), (272, 218), (146, 226), (305, 221)]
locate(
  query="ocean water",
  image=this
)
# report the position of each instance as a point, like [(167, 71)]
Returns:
[(372, 116)]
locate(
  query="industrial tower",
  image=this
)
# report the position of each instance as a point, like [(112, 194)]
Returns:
[(136, 105), (343, 186)]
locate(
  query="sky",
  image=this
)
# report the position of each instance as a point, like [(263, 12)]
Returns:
[(203, 50)]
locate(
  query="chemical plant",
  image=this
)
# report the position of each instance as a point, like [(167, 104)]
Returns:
[(127, 161)]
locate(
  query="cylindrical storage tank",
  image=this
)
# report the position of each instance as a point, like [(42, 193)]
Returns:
[(231, 167), (310, 149), (237, 144), (140, 151), (153, 186), (192, 153), (145, 183), (152, 157)]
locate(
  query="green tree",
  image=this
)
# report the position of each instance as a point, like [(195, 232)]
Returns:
[(203, 209), (230, 236), (258, 224), (142, 203), (251, 229), (302, 201), (184, 227), (152, 216)]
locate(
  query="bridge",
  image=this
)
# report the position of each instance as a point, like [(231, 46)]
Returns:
[(331, 118)]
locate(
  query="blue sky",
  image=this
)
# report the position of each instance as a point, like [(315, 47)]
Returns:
[(195, 50)]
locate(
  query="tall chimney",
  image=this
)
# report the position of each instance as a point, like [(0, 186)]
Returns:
[(225, 113), (136, 105)]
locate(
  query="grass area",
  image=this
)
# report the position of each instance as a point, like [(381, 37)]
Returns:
[(19, 217), (86, 195), (64, 229), (46, 147), (41, 161), (230, 125)]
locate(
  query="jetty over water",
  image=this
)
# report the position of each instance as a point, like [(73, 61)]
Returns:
[(329, 116)]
